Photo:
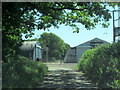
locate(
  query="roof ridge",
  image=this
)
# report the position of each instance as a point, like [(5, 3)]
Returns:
[(92, 40)]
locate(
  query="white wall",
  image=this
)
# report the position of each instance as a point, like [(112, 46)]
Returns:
[(117, 38), (80, 50), (70, 56), (37, 53)]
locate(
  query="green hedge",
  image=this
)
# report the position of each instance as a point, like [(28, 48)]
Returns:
[(102, 65), (22, 73)]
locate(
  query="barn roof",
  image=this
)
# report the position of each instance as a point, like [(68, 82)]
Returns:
[(30, 42), (93, 40), (29, 45)]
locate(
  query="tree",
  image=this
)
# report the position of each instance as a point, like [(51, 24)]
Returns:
[(18, 18), (15, 21), (56, 46)]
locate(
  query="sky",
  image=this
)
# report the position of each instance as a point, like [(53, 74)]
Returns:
[(74, 39)]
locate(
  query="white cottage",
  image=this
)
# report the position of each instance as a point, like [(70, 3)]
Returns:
[(74, 53), (31, 49)]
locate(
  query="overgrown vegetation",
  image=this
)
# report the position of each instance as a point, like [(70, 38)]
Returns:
[(23, 73), (23, 18), (102, 65), (54, 46)]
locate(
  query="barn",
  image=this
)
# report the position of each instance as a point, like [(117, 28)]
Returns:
[(74, 53), (31, 49)]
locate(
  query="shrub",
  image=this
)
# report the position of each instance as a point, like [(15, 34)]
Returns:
[(85, 62), (102, 65), (52, 59), (23, 73)]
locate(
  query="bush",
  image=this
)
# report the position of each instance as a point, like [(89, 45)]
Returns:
[(53, 59), (23, 73), (84, 63), (102, 65)]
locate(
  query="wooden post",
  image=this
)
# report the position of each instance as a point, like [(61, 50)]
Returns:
[(35, 52), (46, 49)]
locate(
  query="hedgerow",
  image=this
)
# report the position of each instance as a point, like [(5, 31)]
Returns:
[(102, 65), (22, 73)]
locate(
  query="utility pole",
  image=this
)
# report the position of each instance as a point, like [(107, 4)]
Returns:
[(119, 21), (47, 54), (113, 27)]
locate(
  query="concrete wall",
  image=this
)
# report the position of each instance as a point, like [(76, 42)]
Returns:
[(80, 50), (30, 49), (70, 56), (75, 53), (37, 53)]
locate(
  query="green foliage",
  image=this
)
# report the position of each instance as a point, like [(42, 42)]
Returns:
[(56, 46), (22, 73), (24, 17), (102, 65), (85, 62), (13, 25)]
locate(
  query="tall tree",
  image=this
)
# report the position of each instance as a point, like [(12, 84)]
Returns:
[(56, 46), (18, 18)]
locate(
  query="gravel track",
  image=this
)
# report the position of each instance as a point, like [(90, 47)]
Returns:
[(61, 76)]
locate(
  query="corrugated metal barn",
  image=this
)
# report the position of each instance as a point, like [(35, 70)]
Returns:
[(31, 49), (74, 54)]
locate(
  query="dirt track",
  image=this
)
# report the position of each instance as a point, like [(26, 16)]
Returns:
[(62, 76), (61, 66)]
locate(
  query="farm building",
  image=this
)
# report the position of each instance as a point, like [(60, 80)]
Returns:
[(31, 49), (74, 53)]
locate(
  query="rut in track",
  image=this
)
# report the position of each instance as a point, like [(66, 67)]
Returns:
[(63, 77)]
